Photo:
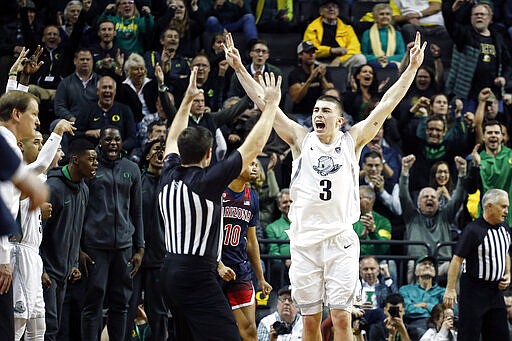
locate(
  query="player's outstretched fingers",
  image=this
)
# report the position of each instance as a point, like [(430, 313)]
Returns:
[(267, 79), (261, 80), (279, 80)]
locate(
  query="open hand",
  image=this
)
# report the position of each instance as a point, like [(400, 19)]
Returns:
[(271, 88)]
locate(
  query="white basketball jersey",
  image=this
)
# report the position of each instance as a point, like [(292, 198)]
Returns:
[(324, 189), (31, 224)]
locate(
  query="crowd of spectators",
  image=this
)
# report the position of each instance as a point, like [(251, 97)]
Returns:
[(119, 71)]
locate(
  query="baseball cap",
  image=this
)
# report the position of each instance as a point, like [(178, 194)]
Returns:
[(287, 289), (325, 2), (30, 4), (305, 46), (424, 258)]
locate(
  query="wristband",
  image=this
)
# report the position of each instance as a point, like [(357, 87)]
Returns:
[(13, 74)]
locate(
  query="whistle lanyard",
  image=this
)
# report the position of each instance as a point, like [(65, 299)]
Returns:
[(137, 333)]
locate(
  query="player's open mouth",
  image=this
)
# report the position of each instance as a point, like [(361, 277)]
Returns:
[(320, 125)]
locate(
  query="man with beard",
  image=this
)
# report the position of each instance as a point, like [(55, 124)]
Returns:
[(423, 295), (240, 250), (62, 231), (491, 167), (427, 222), (147, 278), (481, 57), (107, 112), (112, 230)]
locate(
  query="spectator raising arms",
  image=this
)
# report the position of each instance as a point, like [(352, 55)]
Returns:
[(132, 28)]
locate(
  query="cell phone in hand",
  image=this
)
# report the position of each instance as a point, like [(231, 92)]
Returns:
[(394, 311)]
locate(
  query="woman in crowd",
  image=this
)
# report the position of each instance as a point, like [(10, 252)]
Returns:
[(442, 182), (188, 20), (364, 86), (132, 29), (382, 45), (69, 19), (442, 325)]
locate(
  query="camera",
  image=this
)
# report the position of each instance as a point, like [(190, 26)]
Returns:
[(394, 311), (281, 328)]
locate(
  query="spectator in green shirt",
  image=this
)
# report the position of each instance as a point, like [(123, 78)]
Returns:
[(276, 230), (371, 225)]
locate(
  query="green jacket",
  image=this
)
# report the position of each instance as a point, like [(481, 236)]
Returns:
[(131, 32), (382, 232), (276, 230), (496, 172)]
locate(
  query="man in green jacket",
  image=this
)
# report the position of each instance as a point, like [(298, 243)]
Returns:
[(277, 230), (371, 225)]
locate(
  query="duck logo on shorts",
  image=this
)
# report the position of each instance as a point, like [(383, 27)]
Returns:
[(19, 307), (326, 166)]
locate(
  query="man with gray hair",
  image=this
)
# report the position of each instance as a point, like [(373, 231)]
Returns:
[(427, 222), (484, 249), (277, 230), (371, 225)]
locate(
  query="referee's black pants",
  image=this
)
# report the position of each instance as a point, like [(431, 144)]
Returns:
[(7, 315), (199, 309), (481, 311)]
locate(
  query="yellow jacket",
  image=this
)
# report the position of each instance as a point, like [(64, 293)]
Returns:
[(345, 36)]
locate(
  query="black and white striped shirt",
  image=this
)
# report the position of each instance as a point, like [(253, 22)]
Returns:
[(190, 204), (484, 248)]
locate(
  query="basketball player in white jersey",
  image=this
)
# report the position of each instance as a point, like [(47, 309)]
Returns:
[(324, 188), (27, 264)]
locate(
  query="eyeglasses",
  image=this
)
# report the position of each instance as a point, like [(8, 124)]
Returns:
[(285, 300), (201, 66), (259, 51)]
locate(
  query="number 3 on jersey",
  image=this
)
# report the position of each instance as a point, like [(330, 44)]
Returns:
[(326, 193), (232, 234)]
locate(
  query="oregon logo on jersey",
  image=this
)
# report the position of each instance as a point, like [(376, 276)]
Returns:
[(326, 166)]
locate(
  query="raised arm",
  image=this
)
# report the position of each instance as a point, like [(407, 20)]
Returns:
[(180, 121), (483, 96), (364, 131), (47, 153), (290, 131), (257, 138)]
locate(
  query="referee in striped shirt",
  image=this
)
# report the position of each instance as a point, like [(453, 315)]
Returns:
[(483, 253), (190, 204)]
